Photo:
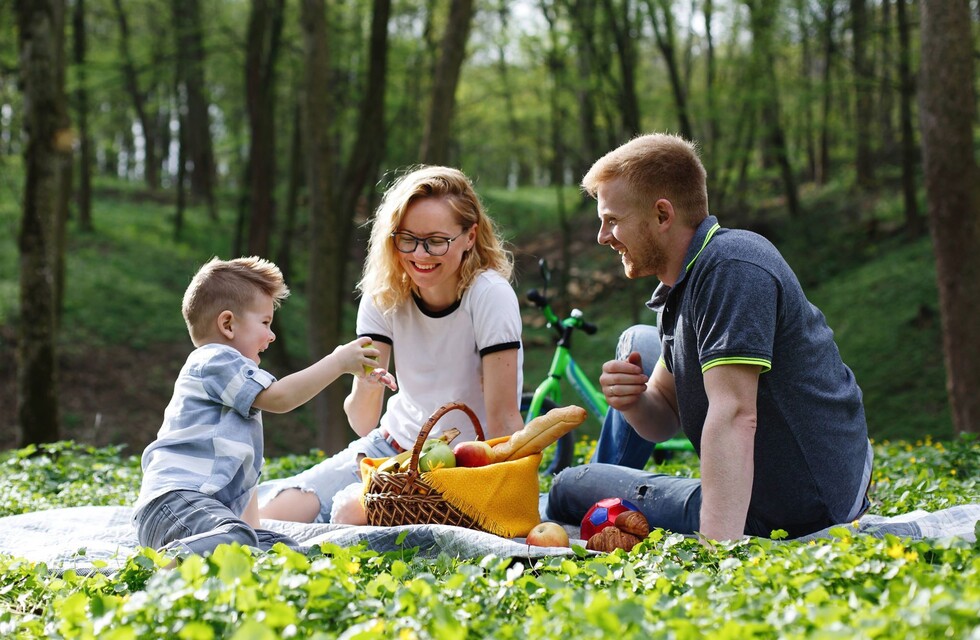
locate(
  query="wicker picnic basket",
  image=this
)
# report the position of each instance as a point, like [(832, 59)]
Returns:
[(399, 498)]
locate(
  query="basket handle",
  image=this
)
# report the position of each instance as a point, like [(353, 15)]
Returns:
[(413, 465)]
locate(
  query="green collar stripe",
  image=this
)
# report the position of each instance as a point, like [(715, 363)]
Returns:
[(711, 232), (761, 362)]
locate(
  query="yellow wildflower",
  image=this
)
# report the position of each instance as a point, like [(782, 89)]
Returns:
[(911, 556), (896, 551)]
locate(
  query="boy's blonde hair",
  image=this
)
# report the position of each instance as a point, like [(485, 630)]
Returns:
[(231, 285), (384, 279), (658, 165)]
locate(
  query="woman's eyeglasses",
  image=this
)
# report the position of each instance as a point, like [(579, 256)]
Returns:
[(433, 245)]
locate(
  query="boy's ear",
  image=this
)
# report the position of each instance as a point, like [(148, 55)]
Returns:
[(226, 324)]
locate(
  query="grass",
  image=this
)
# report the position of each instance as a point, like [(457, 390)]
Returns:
[(847, 585), (126, 279)]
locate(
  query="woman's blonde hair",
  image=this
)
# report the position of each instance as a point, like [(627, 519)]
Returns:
[(384, 279)]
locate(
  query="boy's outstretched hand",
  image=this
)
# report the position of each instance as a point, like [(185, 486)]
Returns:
[(359, 357)]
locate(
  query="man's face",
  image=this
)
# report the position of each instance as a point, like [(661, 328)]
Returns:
[(628, 225)]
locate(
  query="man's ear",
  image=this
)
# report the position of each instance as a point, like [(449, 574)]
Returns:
[(226, 324), (664, 211)]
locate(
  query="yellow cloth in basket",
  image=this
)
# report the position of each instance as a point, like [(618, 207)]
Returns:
[(502, 497)]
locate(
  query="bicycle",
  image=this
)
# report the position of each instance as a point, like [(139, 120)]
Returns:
[(548, 393)]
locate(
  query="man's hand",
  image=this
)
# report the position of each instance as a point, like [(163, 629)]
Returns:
[(623, 381)]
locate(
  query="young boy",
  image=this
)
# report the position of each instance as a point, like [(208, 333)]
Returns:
[(199, 475)]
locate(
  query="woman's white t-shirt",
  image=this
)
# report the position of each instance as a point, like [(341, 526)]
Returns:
[(438, 357)]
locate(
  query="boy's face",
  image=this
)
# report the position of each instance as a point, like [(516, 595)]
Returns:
[(252, 329)]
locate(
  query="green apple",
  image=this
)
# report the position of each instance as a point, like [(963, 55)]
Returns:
[(436, 456), (367, 368)]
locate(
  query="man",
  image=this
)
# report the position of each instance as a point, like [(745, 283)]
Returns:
[(749, 369)]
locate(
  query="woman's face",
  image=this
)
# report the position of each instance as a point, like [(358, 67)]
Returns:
[(436, 276)]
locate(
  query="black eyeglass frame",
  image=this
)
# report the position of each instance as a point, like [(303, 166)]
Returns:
[(424, 242)]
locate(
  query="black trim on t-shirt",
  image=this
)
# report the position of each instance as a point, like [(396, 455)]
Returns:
[(507, 346), (435, 314), (377, 337)]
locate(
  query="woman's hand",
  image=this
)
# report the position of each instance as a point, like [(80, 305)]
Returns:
[(379, 376)]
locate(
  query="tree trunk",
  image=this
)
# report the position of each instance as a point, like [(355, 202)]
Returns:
[(284, 252), (914, 223), (556, 66), (368, 148), (47, 139), (264, 33), (623, 26), (805, 129), (761, 18), (84, 196), (952, 182), (582, 16), (188, 23), (438, 127), (663, 31), (323, 287), (887, 84), (829, 51), (518, 171), (711, 144), (864, 85), (138, 96)]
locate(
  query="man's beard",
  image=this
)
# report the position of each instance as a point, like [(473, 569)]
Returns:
[(650, 262)]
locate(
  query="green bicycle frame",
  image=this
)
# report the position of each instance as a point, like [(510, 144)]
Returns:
[(563, 364)]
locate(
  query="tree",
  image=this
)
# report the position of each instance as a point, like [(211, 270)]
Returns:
[(624, 23), (864, 85), (436, 135), (914, 223), (84, 199), (193, 100), (48, 140), (762, 14), (662, 18), (138, 95), (264, 34), (333, 204), (952, 181)]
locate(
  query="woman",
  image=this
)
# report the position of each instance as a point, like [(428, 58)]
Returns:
[(436, 296)]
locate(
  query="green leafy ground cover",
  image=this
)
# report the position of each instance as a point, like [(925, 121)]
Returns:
[(848, 586)]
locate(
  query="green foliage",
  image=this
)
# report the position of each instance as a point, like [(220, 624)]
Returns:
[(885, 314), (670, 586), (66, 474)]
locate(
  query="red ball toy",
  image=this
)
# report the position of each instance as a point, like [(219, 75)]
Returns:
[(603, 514)]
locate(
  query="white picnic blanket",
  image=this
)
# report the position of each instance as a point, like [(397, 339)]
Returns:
[(101, 539)]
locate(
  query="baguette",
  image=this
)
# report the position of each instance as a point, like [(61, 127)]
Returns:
[(539, 433)]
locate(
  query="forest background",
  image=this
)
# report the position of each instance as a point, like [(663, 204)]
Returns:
[(138, 139)]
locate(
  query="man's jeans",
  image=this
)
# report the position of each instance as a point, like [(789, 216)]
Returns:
[(619, 443), (189, 522)]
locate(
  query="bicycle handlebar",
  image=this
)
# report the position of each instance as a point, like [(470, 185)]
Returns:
[(535, 296)]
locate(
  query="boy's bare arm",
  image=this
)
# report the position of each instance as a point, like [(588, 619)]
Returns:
[(299, 388)]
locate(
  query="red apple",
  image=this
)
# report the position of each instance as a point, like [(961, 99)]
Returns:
[(548, 534), (474, 453)]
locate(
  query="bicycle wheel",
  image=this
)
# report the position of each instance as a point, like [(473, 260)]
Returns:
[(564, 448)]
